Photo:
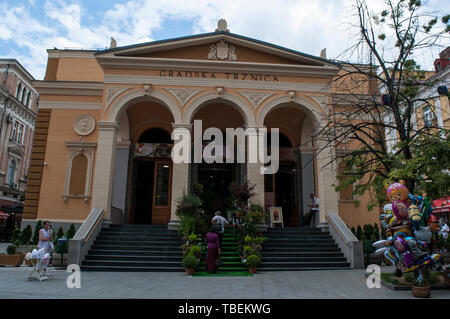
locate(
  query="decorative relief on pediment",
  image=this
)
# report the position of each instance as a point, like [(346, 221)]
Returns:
[(222, 50), (112, 92), (256, 98), (183, 95)]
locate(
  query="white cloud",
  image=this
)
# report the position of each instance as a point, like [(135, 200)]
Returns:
[(303, 25)]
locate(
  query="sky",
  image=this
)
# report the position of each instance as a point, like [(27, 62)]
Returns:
[(29, 27)]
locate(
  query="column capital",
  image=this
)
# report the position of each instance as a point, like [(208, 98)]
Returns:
[(181, 125), (108, 126)]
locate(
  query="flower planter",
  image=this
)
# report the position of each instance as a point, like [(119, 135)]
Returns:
[(421, 292), (252, 270), (190, 271), (12, 260)]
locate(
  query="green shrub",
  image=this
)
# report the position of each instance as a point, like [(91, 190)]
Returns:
[(248, 239), (253, 260), (353, 230), (16, 236), (59, 235), (190, 262), (71, 232), (248, 250), (195, 251), (192, 238), (368, 231), (359, 232), (11, 250), (36, 232), (25, 237)]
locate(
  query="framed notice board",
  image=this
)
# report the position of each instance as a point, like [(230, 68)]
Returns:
[(276, 216)]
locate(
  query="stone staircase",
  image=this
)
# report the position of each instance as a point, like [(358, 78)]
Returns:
[(300, 248), (135, 248), (155, 248)]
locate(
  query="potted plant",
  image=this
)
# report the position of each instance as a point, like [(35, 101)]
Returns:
[(252, 262), (421, 286), (11, 258), (190, 263)]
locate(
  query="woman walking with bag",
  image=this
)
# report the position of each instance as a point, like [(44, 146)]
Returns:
[(212, 240)]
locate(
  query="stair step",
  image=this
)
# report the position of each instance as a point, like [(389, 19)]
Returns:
[(132, 268), (301, 264), (135, 257)]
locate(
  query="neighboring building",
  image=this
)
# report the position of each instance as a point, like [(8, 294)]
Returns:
[(18, 111), (100, 110), (435, 112)]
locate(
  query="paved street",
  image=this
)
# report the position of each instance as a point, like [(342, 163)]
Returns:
[(311, 284)]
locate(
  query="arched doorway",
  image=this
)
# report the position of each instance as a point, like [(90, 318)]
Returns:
[(151, 164), (284, 188), (216, 178)]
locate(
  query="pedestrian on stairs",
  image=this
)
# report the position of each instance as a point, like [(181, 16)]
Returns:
[(219, 223), (212, 241)]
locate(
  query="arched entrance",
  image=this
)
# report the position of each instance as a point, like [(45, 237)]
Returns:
[(148, 127), (216, 178), (284, 188)]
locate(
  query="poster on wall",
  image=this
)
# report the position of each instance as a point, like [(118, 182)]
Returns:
[(276, 216), (152, 150)]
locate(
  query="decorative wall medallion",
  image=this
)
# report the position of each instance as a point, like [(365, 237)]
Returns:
[(84, 124), (222, 50), (183, 95), (112, 92), (256, 97)]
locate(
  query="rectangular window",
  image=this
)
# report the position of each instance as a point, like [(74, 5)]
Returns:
[(20, 133), (14, 131), (427, 116), (162, 185)]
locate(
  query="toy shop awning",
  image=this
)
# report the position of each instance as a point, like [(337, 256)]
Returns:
[(441, 205), (3, 215)]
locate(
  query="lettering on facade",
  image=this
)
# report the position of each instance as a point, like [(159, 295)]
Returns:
[(213, 75)]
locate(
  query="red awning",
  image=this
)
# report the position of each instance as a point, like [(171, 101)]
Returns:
[(4, 215), (441, 205)]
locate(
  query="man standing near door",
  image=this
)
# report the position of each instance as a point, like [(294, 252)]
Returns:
[(313, 210), (219, 222)]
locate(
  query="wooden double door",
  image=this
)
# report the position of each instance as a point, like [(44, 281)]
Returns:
[(151, 199)]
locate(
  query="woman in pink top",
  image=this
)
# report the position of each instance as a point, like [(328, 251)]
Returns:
[(212, 239)]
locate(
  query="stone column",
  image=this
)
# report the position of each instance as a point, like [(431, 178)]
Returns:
[(254, 175), (180, 180), (326, 173), (104, 167), (308, 176)]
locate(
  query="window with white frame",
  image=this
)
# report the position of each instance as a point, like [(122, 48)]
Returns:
[(11, 172), (427, 116), (17, 132), (19, 89)]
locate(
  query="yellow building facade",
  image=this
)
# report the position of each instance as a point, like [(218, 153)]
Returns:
[(99, 110)]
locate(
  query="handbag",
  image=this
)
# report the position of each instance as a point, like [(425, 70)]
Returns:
[(219, 261)]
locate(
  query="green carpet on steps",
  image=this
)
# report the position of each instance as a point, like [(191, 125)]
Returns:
[(232, 265)]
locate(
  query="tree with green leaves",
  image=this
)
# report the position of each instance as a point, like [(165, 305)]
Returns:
[(387, 43)]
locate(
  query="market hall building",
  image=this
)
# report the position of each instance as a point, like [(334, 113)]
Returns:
[(106, 120)]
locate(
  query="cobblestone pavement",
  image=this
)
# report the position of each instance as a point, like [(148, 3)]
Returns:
[(307, 284)]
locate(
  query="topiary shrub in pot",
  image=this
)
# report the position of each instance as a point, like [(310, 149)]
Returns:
[(252, 262), (190, 263)]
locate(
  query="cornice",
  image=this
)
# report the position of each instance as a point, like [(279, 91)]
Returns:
[(69, 88), (123, 62)]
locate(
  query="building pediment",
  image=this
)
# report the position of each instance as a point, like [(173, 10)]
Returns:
[(16, 149), (216, 46)]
